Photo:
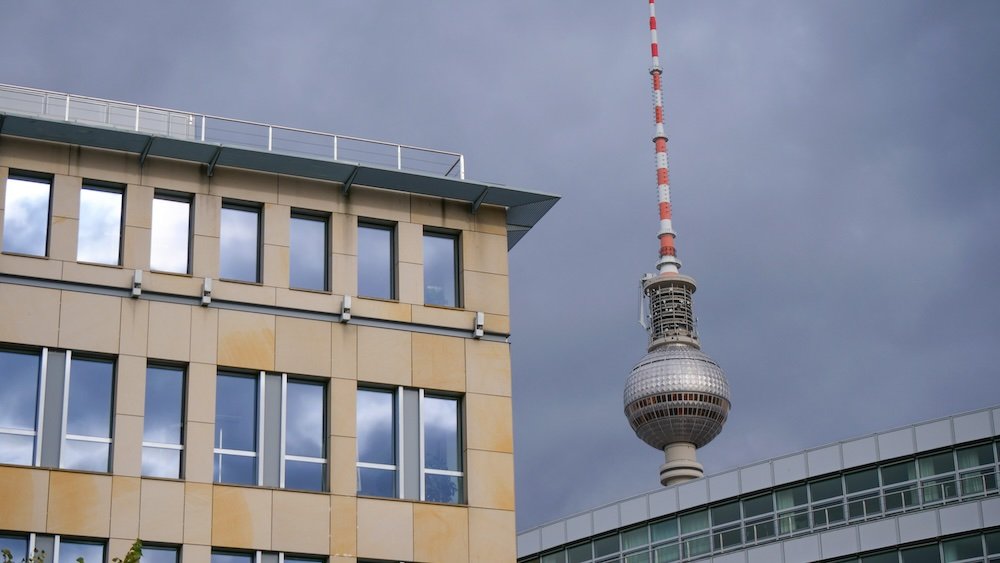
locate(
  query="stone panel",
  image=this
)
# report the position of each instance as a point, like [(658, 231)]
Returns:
[(344, 351), (161, 517), (198, 463), (491, 536), (201, 385), (79, 504), (89, 322), (440, 533), (127, 450), (241, 517), (169, 331), (134, 327), (490, 424), (377, 516), (25, 493), (487, 366), (198, 513), (36, 311), (343, 526), (301, 522), (489, 293), (378, 204), (204, 335), (384, 356), (246, 340), (490, 479), (124, 507), (303, 346), (482, 252), (343, 404), (438, 362)]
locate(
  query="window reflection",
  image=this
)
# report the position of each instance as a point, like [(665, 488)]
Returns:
[(26, 216), (16, 545), (236, 429), (164, 422), (170, 235), (70, 551), (440, 269), (239, 243), (158, 554), (305, 430), (18, 406), (376, 443), (99, 239), (375, 261), (442, 449), (88, 417), (308, 252)]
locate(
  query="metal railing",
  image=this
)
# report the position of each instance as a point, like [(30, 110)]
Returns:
[(226, 131)]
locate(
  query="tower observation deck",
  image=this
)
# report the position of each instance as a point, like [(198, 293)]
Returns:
[(676, 398)]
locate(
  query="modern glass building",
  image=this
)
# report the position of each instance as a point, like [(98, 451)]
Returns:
[(244, 343), (927, 493)]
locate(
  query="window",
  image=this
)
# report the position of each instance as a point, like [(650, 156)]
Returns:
[(282, 417), (170, 247), (441, 272), (87, 422), (163, 425), (158, 554), (26, 215), (100, 233), (226, 556), (16, 545), (19, 379), (309, 252), (71, 550), (376, 260), (410, 445), (239, 242)]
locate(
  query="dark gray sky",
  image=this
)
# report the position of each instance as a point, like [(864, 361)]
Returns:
[(833, 167)]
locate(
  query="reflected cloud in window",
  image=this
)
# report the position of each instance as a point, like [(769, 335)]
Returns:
[(239, 243), (100, 225), (19, 376), (440, 269), (376, 258), (87, 444), (170, 237), (26, 216), (305, 431), (163, 423), (308, 252)]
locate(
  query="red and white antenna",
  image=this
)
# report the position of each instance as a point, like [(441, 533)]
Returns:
[(668, 262)]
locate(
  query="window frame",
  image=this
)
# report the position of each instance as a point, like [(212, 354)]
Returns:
[(64, 434), (107, 187), (37, 178), (391, 228), (36, 434), (460, 446), (456, 239), (183, 372), (325, 219), (284, 456), (258, 423), (248, 207), (178, 197)]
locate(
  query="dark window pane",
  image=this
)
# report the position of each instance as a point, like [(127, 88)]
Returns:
[(375, 261), (443, 488), (442, 448), (760, 531), (239, 470), (758, 505), (160, 462), (70, 551), (827, 488), (861, 480), (975, 456), (164, 416), (376, 482), (308, 252), (440, 269), (579, 553), (662, 531), (239, 244), (19, 381), (376, 432), (236, 412), (305, 420), (993, 543), (727, 539), (668, 554), (305, 475), (886, 557), (697, 546), (230, 557), (936, 464), (694, 522), (899, 473), (607, 545), (26, 216), (170, 235), (962, 548), (922, 554), (635, 538), (726, 513), (794, 496), (100, 226), (90, 392), (157, 554)]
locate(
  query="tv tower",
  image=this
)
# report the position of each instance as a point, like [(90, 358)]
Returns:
[(676, 397)]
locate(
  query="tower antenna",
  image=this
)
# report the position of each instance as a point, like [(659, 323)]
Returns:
[(676, 398)]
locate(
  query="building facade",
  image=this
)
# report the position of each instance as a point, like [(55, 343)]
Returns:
[(926, 493), (226, 340)]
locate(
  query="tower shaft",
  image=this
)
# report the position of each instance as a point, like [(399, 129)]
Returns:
[(668, 262)]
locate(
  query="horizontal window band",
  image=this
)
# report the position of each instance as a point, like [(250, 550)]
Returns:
[(81, 438), (366, 465), (317, 460), (444, 472), (240, 453), (162, 446), (17, 431)]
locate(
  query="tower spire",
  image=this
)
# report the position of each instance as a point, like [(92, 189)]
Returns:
[(676, 398)]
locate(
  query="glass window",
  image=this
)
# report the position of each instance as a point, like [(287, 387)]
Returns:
[(632, 539), (662, 531), (100, 225), (884, 557), (899, 473), (557, 557), (441, 420), (158, 554), (922, 554), (308, 252), (727, 539), (236, 406), (757, 506), (641, 557), (19, 379), (697, 546), (960, 549), (793, 496), (376, 428), (827, 488), (668, 554), (607, 545), (993, 543), (87, 444), (239, 242), (16, 545), (694, 522), (231, 557), (936, 464), (26, 216), (90, 552), (725, 513), (163, 425), (170, 237), (376, 261), (861, 480), (305, 435), (580, 553), (975, 456), (441, 269)]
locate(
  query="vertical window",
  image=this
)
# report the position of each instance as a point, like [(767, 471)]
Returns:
[(309, 252), (232, 557), (72, 550), (16, 545), (304, 463), (441, 273), (163, 425), (442, 449), (376, 430), (376, 260), (26, 216), (87, 420), (170, 247), (239, 242), (100, 234), (236, 431), (158, 554), (19, 379)]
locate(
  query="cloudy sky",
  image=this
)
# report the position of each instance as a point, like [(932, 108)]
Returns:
[(832, 165)]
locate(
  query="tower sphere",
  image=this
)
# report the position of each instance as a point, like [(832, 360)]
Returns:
[(676, 394)]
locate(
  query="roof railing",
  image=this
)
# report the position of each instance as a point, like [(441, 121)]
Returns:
[(226, 131)]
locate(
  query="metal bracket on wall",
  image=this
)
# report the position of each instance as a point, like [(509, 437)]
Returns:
[(215, 159), (350, 180), (145, 151), (479, 200)]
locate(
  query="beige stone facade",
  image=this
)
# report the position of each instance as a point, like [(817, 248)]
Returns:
[(55, 303)]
